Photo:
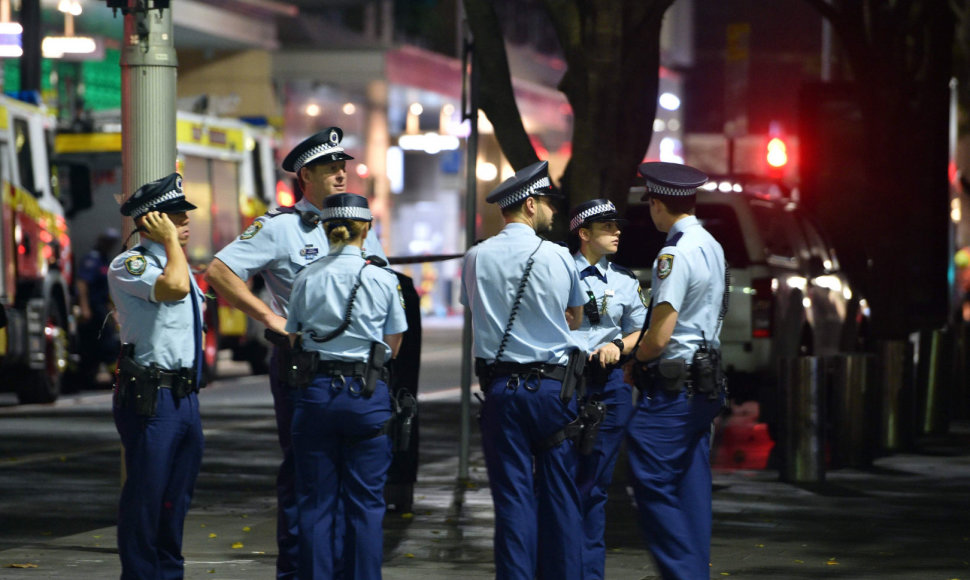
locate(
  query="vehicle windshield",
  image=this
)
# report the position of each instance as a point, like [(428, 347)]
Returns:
[(722, 223)]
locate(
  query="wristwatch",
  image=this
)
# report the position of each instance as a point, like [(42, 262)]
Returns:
[(618, 342)]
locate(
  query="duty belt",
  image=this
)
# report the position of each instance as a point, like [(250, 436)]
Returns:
[(504, 368), (335, 368), (172, 379)]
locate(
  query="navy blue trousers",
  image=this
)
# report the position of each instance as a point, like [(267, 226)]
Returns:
[(538, 521), (338, 464), (287, 541), (162, 457), (669, 449), (596, 469)]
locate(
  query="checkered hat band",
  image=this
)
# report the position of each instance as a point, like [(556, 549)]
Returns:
[(589, 213), (527, 191), (147, 206), (661, 189), (318, 151), (353, 213)]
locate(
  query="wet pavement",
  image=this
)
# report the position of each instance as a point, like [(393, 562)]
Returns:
[(906, 517)]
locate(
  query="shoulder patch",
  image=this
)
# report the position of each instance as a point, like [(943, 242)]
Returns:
[(252, 230), (400, 296), (665, 263), (136, 264), (643, 299)]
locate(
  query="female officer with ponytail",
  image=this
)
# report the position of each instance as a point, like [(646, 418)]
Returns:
[(351, 316)]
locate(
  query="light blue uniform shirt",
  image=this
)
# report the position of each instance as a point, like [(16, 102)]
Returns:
[(319, 300), (160, 331), (278, 246), (689, 275), (490, 278), (618, 290)]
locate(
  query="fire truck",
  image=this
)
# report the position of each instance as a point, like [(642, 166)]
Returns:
[(229, 172), (37, 329)]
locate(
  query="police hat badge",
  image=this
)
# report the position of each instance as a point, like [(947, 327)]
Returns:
[(529, 181), (322, 147), (164, 195), (671, 179), (595, 210)]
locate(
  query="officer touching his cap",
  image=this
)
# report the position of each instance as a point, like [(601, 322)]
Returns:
[(350, 319), (278, 246), (613, 313), (519, 288), (156, 410), (679, 378)]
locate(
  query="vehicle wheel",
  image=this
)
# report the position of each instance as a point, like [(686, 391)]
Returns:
[(44, 385)]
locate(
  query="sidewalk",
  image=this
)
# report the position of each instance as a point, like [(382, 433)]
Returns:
[(907, 517)]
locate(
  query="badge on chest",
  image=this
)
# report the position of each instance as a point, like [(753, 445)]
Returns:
[(310, 252)]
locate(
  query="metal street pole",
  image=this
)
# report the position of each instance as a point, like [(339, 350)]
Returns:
[(148, 66), (148, 70), (469, 98)]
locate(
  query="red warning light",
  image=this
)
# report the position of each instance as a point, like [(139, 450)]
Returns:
[(777, 153), (284, 195)]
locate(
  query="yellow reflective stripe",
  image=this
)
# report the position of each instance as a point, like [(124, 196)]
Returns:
[(87, 143)]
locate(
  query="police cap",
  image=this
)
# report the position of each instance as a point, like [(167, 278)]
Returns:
[(527, 182), (164, 195), (671, 179), (322, 147), (345, 206), (595, 210)]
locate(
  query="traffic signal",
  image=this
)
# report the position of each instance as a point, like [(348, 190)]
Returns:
[(777, 154)]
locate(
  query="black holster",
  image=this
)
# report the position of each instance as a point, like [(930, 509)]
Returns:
[(405, 410), (574, 379), (671, 375), (375, 368), (295, 367), (592, 414), (137, 385), (707, 375)]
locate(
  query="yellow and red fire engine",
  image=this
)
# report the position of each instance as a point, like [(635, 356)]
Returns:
[(37, 329), (229, 172)]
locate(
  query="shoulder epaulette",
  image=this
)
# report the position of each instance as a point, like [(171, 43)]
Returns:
[(624, 270), (673, 241), (280, 211)]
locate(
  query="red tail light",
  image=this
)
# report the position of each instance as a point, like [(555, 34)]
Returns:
[(762, 308)]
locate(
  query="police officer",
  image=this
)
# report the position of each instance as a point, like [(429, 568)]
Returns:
[(350, 316), (668, 435), (98, 338), (277, 246), (155, 407), (613, 315), (519, 287)]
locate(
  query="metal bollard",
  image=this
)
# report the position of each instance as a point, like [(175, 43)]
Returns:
[(802, 425), (895, 383), (853, 430), (935, 380)]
